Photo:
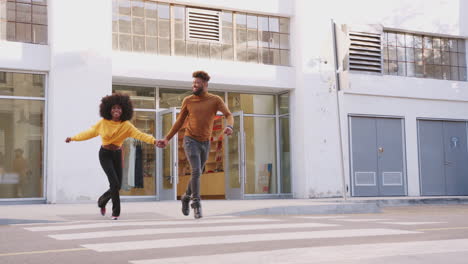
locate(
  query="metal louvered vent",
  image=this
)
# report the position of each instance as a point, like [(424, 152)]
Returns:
[(203, 25), (365, 52)]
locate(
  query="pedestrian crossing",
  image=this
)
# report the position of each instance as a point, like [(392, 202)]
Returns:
[(159, 235), (356, 254)]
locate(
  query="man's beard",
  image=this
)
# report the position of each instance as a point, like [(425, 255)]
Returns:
[(197, 92)]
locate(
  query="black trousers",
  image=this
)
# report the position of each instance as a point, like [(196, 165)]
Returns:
[(111, 163)]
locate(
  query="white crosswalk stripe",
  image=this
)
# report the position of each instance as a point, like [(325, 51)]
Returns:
[(231, 239), (329, 254), (362, 220), (145, 223), (182, 230), (320, 217), (413, 223)]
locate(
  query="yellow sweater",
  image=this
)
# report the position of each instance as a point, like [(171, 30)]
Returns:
[(113, 132)]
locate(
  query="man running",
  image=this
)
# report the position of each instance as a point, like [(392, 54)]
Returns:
[(200, 109)]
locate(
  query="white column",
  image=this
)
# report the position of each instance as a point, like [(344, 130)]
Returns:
[(314, 126), (80, 39)]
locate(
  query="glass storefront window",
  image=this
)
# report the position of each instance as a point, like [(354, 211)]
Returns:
[(261, 149), (283, 103), (22, 84), (142, 97), (21, 147), (260, 155), (252, 103), (174, 97), (139, 159), (285, 155)]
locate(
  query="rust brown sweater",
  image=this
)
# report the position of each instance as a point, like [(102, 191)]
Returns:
[(200, 111)]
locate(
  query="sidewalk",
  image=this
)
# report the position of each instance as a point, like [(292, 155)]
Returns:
[(171, 209)]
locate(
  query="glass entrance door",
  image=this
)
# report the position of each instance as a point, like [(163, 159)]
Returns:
[(167, 157), (235, 159)]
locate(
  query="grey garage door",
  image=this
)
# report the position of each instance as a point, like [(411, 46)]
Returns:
[(443, 157), (377, 157)]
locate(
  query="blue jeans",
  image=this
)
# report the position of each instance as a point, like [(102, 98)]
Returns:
[(197, 154)]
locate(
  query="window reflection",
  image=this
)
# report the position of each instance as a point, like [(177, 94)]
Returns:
[(139, 159), (21, 84), (260, 155), (21, 148), (252, 103), (142, 97)]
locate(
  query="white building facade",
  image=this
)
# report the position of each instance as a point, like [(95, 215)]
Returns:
[(337, 99)]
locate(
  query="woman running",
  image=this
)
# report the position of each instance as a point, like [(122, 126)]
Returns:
[(116, 110)]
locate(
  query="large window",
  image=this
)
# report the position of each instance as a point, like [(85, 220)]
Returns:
[(267, 143), (160, 28), (141, 26), (424, 56), (23, 21), (21, 135)]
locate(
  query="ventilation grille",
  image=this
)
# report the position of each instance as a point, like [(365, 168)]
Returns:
[(365, 52), (392, 178), (203, 25), (364, 178)]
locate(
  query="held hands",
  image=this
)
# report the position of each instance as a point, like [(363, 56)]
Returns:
[(68, 140), (161, 143), (228, 131)]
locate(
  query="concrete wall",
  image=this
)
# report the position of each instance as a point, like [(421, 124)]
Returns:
[(24, 56), (152, 70), (80, 37)]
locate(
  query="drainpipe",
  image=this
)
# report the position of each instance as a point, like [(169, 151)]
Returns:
[(337, 89)]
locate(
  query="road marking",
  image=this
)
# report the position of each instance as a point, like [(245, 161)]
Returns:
[(146, 223), (42, 252), (320, 217), (362, 220), (217, 240), (63, 222), (177, 230), (443, 228), (327, 254), (413, 223)]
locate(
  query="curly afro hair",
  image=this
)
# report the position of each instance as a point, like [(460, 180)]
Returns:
[(116, 99), (202, 75)]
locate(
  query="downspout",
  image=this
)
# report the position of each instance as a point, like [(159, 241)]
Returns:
[(337, 89)]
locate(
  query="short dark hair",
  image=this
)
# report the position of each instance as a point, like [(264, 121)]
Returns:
[(116, 99), (202, 75)]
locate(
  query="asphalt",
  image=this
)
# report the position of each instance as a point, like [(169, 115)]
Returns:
[(43, 213)]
